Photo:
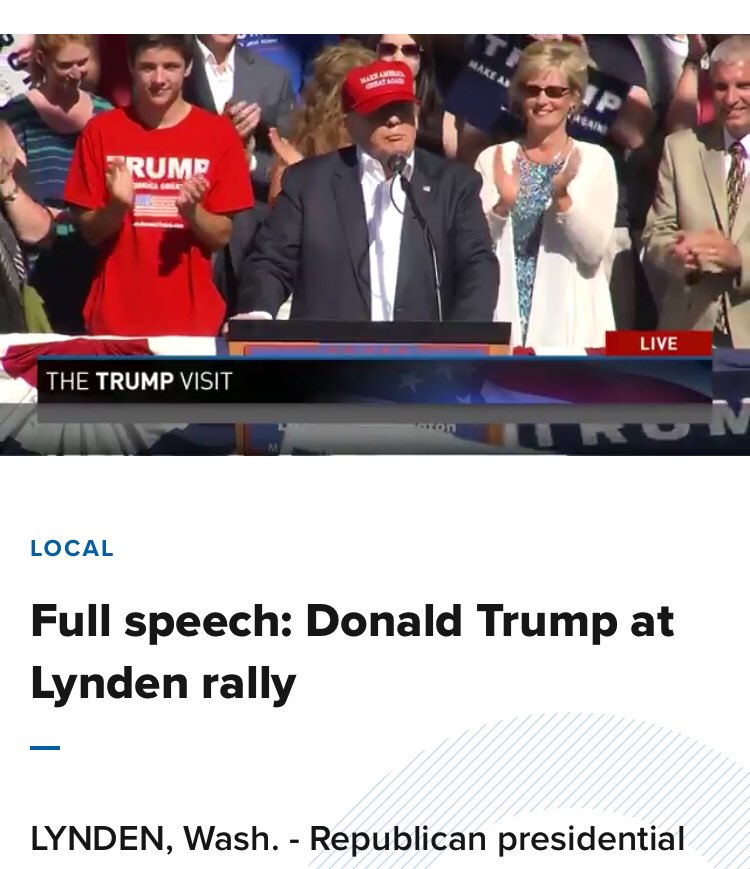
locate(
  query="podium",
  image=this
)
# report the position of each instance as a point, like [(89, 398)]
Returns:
[(307, 339), (492, 338)]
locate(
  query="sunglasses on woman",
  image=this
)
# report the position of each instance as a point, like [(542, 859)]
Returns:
[(389, 49), (553, 91)]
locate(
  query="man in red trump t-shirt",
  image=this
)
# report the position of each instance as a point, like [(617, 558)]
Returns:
[(156, 185)]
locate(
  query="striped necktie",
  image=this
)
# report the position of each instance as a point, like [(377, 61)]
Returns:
[(735, 189)]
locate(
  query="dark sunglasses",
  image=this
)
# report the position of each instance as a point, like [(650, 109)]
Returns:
[(410, 50), (553, 91)]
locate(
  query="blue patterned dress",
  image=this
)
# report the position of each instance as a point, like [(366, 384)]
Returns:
[(534, 195)]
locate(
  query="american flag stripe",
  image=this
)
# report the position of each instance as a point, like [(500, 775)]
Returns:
[(147, 205)]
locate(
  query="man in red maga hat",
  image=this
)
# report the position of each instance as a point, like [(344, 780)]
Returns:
[(379, 230)]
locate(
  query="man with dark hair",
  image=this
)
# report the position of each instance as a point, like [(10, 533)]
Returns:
[(139, 42), (156, 185)]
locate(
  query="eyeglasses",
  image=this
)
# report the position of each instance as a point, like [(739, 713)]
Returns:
[(389, 49), (553, 91)]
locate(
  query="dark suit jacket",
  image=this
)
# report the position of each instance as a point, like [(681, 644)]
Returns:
[(256, 80), (315, 244)]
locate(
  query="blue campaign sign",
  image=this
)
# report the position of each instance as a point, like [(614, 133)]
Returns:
[(480, 94)]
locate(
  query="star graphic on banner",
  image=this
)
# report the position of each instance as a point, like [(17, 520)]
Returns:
[(463, 399), (446, 371), (409, 381)]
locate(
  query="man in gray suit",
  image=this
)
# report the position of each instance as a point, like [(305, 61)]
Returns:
[(255, 92), (697, 237), (257, 95)]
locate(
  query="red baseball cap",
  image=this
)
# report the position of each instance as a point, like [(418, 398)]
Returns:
[(368, 88)]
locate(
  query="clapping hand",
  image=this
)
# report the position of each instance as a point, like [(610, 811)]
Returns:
[(569, 171), (10, 154), (245, 117), (507, 183), (712, 251), (24, 50), (682, 251), (120, 182), (283, 148), (6, 168), (190, 195)]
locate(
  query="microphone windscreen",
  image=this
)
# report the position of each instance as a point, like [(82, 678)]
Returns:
[(397, 163)]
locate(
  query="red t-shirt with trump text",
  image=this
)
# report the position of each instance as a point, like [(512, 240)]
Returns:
[(154, 277)]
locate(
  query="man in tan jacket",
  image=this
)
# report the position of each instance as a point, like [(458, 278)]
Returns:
[(697, 237)]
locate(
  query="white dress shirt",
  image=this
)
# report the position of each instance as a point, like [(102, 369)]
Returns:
[(385, 217), (728, 142), (221, 81)]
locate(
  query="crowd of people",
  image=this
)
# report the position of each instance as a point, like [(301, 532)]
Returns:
[(162, 184)]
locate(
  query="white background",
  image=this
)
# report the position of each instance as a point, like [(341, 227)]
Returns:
[(367, 535)]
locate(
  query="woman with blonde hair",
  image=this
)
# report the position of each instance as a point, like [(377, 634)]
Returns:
[(550, 202), (46, 122), (318, 122)]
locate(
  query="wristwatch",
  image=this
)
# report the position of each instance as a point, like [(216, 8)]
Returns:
[(697, 65), (12, 196)]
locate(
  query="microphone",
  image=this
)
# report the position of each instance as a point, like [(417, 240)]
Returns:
[(397, 165)]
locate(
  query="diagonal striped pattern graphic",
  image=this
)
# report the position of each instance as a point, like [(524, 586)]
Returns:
[(557, 761)]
